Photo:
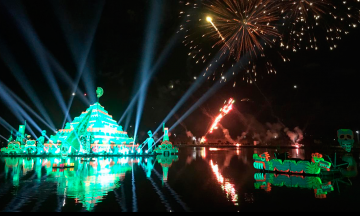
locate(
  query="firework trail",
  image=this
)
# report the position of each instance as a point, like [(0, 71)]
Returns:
[(209, 19), (223, 112)]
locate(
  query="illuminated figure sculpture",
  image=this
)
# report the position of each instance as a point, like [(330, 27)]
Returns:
[(18, 137), (21, 134), (40, 142), (150, 141), (88, 143), (25, 138), (346, 139), (82, 143), (11, 137)]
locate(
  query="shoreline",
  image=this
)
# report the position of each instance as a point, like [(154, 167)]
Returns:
[(258, 146), (77, 156)]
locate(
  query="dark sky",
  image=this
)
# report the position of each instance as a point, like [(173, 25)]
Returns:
[(328, 81)]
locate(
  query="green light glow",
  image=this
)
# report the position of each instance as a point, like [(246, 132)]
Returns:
[(315, 167), (94, 132), (86, 180), (266, 181), (99, 92)]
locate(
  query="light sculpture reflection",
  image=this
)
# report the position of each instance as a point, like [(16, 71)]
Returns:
[(87, 182)]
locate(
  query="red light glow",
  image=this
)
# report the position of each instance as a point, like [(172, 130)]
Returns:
[(223, 112), (226, 186)]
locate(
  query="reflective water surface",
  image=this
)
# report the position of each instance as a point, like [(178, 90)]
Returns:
[(198, 179)]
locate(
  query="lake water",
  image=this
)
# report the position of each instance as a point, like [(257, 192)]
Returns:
[(200, 179)]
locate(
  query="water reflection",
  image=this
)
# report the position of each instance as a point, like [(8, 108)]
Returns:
[(86, 180), (208, 179), (320, 186), (297, 153), (225, 183), (221, 159)]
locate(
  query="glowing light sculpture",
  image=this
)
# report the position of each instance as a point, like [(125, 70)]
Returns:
[(166, 148), (16, 146), (346, 139), (315, 167), (93, 132), (99, 132)]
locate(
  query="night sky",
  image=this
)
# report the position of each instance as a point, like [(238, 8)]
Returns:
[(327, 97)]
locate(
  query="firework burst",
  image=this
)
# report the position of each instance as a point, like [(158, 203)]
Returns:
[(305, 20), (242, 27), (243, 35), (232, 29)]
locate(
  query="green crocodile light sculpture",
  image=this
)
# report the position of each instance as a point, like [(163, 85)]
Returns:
[(317, 164)]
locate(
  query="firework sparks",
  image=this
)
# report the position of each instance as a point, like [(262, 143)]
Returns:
[(305, 20), (244, 26), (228, 31), (209, 19), (233, 29), (223, 112)]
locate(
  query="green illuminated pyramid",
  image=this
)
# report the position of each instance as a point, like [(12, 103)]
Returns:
[(94, 126)]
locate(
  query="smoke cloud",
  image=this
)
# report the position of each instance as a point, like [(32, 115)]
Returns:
[(227, 134), (300, 134), (274, 131), (292, 135), (189, 134), (243, 135)]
